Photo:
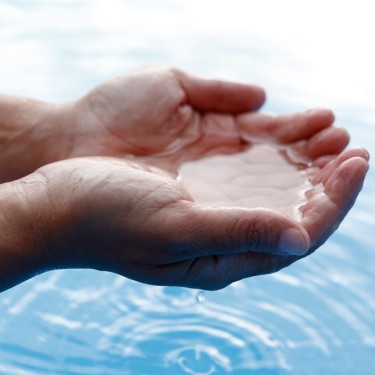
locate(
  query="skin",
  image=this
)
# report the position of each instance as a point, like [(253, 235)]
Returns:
[(112, 201)]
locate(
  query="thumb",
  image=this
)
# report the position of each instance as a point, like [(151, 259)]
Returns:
[(215, 231), (220, 96)]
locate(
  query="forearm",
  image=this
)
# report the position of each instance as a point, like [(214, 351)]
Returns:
[(30, 132)]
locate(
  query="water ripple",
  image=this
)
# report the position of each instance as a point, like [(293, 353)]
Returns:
[(92, 323)]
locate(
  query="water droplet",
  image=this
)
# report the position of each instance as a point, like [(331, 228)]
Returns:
[(200, 297)]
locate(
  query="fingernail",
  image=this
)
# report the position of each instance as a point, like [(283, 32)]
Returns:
[(322, 112), (367, 154), (259, 98), (293, 242)]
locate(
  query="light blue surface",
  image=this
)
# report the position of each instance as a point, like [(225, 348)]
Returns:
[(316, 317)]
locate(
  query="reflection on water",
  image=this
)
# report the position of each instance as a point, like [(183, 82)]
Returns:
[(318, 316)]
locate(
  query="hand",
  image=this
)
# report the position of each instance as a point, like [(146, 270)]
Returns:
[(165, 117), (337, 179), (148, 111), (140, 113), (135, 220), (159, 114)]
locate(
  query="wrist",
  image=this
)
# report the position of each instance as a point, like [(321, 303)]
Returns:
[(21, 232), (31, 135)]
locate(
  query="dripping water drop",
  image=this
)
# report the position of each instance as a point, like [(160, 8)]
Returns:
[(200, 297)]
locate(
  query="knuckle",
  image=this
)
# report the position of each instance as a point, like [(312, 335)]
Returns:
[(248, 235), (206, 273)]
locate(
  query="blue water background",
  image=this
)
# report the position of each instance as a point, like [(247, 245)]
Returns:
[(317, 316)]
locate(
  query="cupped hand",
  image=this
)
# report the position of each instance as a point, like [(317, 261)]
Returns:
[(138, 221), (129, 218), (165, 116), (153, 110)]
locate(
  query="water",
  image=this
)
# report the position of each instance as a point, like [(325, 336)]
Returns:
[(318, 316), (260, 176)]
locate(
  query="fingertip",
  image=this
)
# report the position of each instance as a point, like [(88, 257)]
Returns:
[(303, 125), (362, 165), (354, 168), (329, 141), (346, 182), (294, 241), (218, 95), (365, 153), (355, 152), (259, 97), (330, 163), (326, 115)]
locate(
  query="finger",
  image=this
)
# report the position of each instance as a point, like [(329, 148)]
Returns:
[(346, 182), (220, 96), (285, 128), (331, 166), (322, 161), (218, 271), (213, 231), (328, 205), (328, 141)]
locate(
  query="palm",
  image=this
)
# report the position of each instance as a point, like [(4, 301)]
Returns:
[(142, 224)]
